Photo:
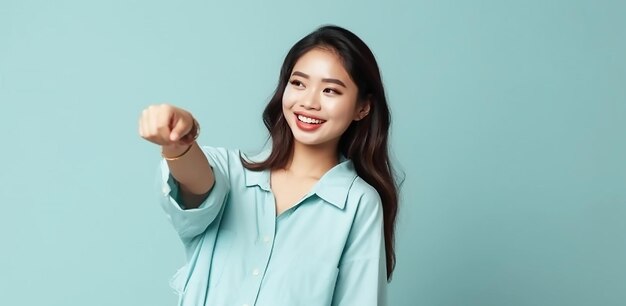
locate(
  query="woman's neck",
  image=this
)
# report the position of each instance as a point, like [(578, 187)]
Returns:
[(312, 161)]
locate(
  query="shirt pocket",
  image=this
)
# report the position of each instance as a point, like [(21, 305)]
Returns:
[(310, 283)]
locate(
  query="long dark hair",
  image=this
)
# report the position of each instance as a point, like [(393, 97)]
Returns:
[(364, 142)]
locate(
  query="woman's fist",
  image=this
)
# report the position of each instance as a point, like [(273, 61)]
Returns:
[(167, 125)]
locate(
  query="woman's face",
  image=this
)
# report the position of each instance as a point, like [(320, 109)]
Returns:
[(320, 100)]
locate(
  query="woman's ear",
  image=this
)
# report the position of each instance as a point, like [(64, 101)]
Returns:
[(363, 110)]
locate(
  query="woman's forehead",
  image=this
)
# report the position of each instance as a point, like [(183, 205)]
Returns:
[(321, 63)]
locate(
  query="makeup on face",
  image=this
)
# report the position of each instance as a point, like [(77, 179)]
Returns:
[(319, 101)]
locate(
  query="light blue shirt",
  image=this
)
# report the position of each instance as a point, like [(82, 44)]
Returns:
[(328, 249)]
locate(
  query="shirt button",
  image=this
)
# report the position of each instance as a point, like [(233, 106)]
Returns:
[(255, 272), (165, 191), (266, 239), (245, 305)]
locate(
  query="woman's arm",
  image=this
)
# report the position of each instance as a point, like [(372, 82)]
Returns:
[(170, 127), (192, 172), (362, 278)]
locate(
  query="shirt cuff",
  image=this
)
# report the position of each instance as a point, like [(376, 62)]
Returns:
[(188, 223)]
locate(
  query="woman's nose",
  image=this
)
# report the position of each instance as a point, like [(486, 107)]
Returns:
[(310, 100)]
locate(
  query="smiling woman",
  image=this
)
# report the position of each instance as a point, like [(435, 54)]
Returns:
[(319, 98), (309, 221)]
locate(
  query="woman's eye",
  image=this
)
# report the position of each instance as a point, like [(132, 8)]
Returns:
[(296, 83), (332, 91)]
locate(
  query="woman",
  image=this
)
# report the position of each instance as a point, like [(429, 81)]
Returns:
[(310, 221)]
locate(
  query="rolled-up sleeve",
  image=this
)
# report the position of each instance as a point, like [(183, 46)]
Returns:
[(362, 278), (189, 223)]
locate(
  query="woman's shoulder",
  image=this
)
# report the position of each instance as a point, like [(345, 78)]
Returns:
[(225, 159), (230, 161), (364, 193), (233, 153), (365, 204), (219, 153)]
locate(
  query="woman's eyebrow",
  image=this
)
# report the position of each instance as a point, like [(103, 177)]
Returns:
[(306, 76)]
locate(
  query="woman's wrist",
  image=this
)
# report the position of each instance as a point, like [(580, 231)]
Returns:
[(180, 148), (175, 151)]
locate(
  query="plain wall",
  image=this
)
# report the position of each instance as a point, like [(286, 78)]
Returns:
[(508, 121)]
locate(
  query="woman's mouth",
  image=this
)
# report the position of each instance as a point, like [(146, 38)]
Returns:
[(309, 120), (308, 124)]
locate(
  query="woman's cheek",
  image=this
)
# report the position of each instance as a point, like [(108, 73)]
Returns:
[(286, 94), (290, 97)]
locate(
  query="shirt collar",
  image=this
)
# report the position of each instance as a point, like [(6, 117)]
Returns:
[(258, 178), (333, 186)]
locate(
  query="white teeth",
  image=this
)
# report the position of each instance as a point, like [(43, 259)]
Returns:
[(309, 120)]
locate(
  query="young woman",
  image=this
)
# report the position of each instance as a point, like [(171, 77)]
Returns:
[(309, 221)]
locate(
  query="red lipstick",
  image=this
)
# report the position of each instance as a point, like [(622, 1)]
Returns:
[(308, 127)]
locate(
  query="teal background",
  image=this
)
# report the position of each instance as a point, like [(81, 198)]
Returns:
[(509, 122)]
